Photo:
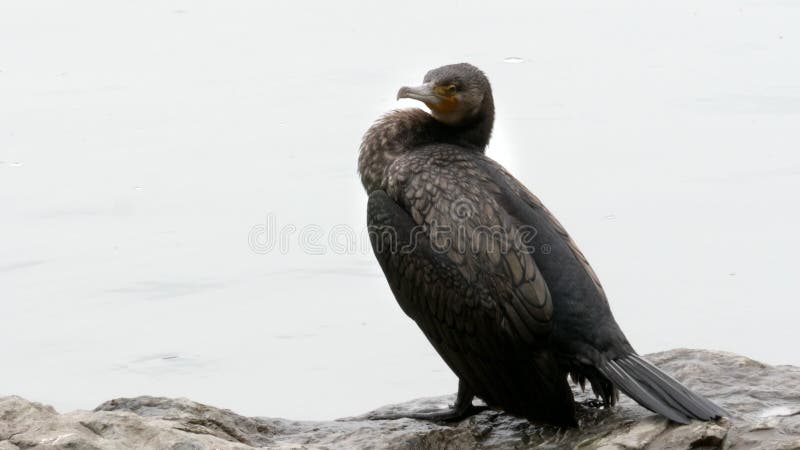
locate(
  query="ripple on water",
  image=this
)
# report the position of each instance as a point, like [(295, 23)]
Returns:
[(163, 363), (777, 411), (513, 60)]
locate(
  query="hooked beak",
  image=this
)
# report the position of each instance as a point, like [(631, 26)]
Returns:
[(423, 93)]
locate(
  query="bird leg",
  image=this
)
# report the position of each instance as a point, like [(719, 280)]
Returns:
[(462, 409)]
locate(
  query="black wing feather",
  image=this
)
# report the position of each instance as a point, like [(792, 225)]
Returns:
[(612, 356), (469, 323), (509, 326)]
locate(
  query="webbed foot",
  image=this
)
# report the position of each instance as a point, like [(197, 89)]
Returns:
[(460, 411)]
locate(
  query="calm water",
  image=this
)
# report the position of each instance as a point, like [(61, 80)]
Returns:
[(146, 147)]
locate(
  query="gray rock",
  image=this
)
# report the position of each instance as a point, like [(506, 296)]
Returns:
[(764, 403)]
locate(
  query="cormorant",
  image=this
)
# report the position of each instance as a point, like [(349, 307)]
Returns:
[(490, 276)]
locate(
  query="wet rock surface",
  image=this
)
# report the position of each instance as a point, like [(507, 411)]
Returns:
[(763, 401)]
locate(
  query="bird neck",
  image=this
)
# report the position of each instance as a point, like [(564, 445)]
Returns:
[(475, 132), (404, 130)]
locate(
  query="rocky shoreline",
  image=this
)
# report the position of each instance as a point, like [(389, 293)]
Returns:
[(763, 401)]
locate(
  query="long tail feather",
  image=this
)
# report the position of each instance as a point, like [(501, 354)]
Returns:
[(657, 391)]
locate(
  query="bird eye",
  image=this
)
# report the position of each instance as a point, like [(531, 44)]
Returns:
[(446, 89)]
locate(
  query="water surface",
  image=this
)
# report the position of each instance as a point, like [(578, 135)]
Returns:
[(142, 143)]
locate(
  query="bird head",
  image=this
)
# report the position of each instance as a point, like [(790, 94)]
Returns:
[(455, 93)]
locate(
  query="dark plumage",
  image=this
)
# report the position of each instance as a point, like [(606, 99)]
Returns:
[(488, 274)]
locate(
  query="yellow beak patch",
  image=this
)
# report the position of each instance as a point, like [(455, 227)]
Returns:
[(446, 104)]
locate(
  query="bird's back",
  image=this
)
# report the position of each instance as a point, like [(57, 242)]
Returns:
[(472, 190), (466, 207), (582, 323)]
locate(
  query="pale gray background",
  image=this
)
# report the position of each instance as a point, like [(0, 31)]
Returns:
[(142, 141)]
